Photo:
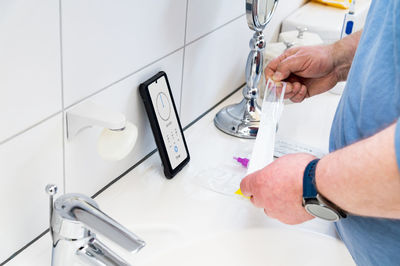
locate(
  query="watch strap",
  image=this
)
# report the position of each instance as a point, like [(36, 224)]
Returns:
[(309, 186)]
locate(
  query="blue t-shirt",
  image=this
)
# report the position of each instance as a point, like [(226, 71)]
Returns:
[(370, 103)]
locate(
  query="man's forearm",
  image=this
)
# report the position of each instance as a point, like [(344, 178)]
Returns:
[(343, 54), (363, 178)]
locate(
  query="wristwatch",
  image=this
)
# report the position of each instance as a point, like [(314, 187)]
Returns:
[(314, 203)]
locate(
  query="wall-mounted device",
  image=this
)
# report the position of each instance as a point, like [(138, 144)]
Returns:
[(118, 136), (165, 124)]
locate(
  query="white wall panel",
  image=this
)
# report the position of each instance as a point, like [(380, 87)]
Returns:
[(86, 172), (27, 164), (214, 67), (284, 9), (30, 84), (105, 40), (207, 15)]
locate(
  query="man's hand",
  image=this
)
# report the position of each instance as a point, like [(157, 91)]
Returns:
[(278, 188), (308, 70), (312, 70)]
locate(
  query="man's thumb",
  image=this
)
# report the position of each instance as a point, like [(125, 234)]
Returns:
[(287, 66)]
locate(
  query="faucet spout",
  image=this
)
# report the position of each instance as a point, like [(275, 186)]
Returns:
[(73, 217), (96, 253)]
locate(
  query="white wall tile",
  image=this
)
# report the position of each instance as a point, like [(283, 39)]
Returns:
[(30, 86), (28, 163), (284, 9), (86, 172), (214, 67), (105, 40), (207, 15)]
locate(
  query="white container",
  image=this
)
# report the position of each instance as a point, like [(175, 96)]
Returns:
[(300, 37), (325, 20), (273, 50)]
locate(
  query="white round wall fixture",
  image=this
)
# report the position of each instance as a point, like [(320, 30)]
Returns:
[(114, 145)]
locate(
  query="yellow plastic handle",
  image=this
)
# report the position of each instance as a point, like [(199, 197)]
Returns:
[(239, 192), (344, 4)]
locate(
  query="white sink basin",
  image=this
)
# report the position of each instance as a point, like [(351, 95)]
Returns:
[(259, 247)]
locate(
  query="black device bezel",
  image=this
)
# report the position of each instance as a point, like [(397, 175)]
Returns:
[(155, 127)]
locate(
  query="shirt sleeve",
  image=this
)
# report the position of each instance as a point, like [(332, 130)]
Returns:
[(397, 142)]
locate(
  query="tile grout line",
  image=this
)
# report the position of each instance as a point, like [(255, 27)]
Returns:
[(24, 247), (125, 173), (155, 150), (214, 30), (62, 96), (153, 62), (63, 144), (29, 128), (62, 111), (112, 84), (183, 58), (212, 107), (123, 78), (83, 99)]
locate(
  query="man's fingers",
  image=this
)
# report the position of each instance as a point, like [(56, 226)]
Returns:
[(245, 186), (300, 95), (252, 200), (250, 188), (289, 95), (273, 65), (292, 64), (257, 201), (289, 87), (297, 92), (268, 73), (288, 91), (296, 87), (279, 88)]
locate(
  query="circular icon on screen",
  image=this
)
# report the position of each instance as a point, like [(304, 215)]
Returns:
[(163, 106)]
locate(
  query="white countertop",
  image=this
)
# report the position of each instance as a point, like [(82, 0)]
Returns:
[(170, 213)]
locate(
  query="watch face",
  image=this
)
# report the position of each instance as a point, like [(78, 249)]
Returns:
[(322, 212)]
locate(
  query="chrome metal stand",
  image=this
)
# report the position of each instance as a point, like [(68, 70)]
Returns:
[(243, 119)]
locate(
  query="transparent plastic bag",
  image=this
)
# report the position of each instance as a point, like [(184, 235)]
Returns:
[(271, 111), (223, 178)]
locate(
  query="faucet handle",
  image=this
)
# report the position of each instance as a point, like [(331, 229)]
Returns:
[(102, 223), (80, 208), (301, 31), (51, 190), (289, 44)]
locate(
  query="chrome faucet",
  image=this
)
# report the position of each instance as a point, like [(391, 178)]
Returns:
[(72, 219)]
